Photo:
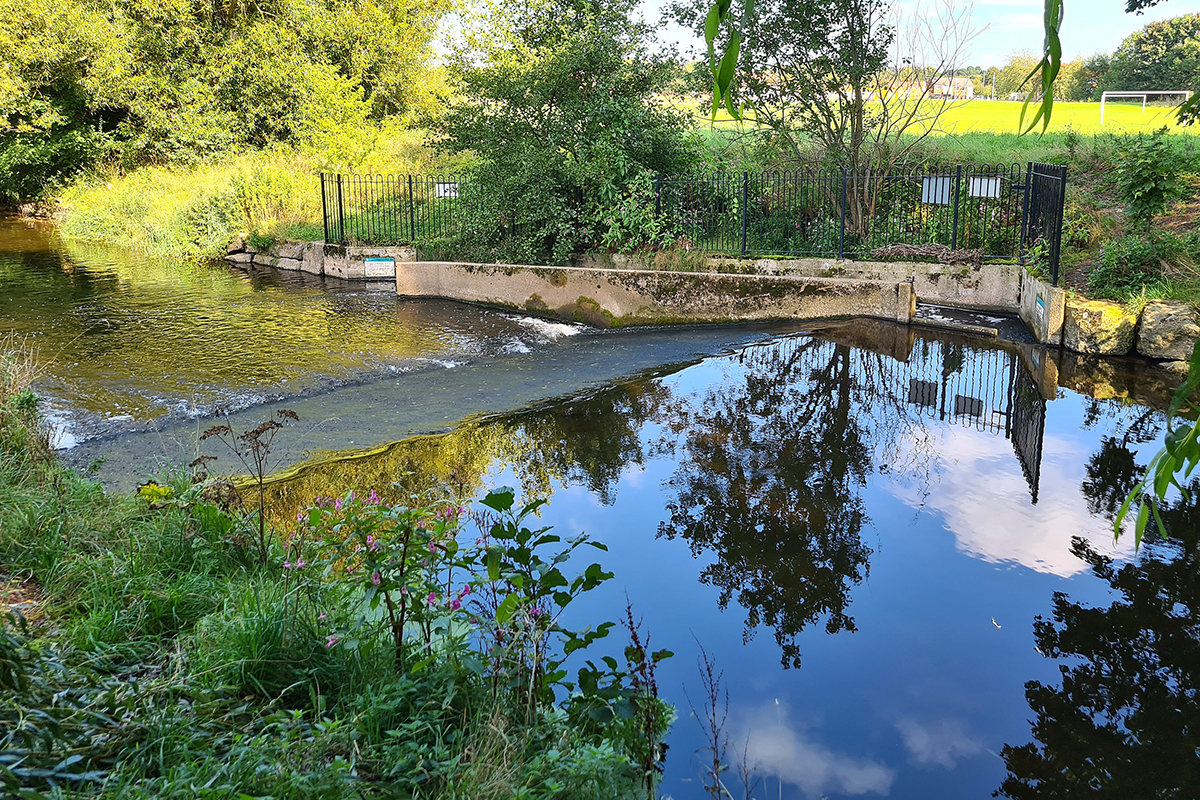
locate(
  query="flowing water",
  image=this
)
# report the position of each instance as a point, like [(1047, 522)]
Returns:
[(894, 545)]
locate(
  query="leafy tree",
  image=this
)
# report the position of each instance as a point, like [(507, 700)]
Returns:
[(1088, 80), (770, 490), (1162, 56), (558, 105), (146, 81), (1124, 721)]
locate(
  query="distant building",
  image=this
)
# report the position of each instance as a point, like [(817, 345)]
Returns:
[(960, 88)]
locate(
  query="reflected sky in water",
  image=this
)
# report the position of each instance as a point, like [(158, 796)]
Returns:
[(879, 536), (859, 553)]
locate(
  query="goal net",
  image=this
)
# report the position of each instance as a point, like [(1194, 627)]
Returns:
[(1106, 96)]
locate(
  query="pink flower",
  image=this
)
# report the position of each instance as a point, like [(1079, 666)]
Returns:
[(465, 590), (331, 641), (299, 516), (287, 565), (301, 563), (322, 617), (535, 612), (337, 504), (375, 579), (456, 604), (431, 600), (433, 548), (404, 590)]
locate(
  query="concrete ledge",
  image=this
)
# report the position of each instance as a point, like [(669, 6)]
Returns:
[(1042, 309), (613, 298), (988, 287)]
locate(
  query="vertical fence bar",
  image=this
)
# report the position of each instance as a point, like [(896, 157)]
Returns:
[(324, 209), (412, 213), (745, 208), (1025, 211), (957, 193), (341, 212), (842, 220), (1058, 224)]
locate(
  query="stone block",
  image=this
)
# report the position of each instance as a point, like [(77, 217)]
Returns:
[(313, 260), (1098, 326), (237, 245), (239, 259), (263, 260), (292, 250), (290, 264), (1168, 331)]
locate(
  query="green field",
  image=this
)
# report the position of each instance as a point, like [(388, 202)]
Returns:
[(1003, 116)]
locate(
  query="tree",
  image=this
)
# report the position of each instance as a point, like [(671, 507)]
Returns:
[(558, 105), (146, 81), (1089, 80), (1162, 56), (853, 77), (1015, 72), (1124, 721)]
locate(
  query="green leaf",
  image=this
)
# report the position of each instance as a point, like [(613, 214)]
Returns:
[(712, 25), (506, 609), (492, 559), (500, 499)]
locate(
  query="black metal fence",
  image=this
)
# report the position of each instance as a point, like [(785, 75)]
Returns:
[(1041, 232), (1005, 212), (388, 209)]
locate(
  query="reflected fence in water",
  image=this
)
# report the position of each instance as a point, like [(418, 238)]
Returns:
[(918, 379)]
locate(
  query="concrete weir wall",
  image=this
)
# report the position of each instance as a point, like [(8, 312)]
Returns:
[(620, 297)]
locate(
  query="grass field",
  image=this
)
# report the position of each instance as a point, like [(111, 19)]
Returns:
[(1003, 116)]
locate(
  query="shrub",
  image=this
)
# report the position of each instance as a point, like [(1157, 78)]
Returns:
[(1141, 263), (1148, 176)]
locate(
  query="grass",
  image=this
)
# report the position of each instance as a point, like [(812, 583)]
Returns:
[(194, 211), (1004, 117), (170, 660)]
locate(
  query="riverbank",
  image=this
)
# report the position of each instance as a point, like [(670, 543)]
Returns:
[(163, 642)]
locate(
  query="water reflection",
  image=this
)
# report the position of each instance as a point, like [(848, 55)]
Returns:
[(127, 337), (768, 486), (1124, 720)]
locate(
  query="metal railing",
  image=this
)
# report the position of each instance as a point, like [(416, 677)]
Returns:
[(1004, 212), (388, 209), (1041, 231)]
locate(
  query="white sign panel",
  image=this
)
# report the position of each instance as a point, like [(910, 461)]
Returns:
[(380, 267), (937, 189), (985, 187)]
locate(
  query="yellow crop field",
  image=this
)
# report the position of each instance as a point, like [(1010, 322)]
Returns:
[(1003, 116)]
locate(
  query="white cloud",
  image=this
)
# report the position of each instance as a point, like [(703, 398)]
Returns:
[(940, 743), (984, 501), (774, 747)]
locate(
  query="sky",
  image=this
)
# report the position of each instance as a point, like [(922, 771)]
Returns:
[(1089, 26)]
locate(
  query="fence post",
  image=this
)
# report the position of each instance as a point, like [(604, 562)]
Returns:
[(957, 193), (1062, 205), (842, 220), (412, 214), (1025, 211), (324, 210), (745, 208), (341, 213)]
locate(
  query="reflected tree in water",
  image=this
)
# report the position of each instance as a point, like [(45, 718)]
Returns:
[(588, 440), (1125, 723), (768, 485)]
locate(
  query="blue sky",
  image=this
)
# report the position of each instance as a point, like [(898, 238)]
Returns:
[(1088, 26)]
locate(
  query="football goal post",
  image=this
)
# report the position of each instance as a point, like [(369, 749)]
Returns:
[(1104, 97)]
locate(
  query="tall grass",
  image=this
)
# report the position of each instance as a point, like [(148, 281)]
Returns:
[(195, 210)]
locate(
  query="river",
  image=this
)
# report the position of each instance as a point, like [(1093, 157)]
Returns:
[(884, 538)]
